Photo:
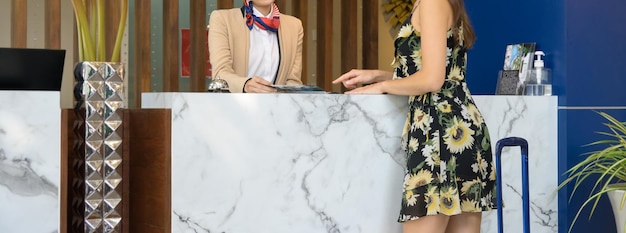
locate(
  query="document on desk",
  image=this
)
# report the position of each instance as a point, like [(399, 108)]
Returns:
[(298, 89)]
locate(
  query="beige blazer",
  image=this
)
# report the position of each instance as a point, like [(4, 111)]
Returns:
[(229, 45)]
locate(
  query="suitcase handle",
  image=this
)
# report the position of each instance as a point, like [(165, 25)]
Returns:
[(506, 142)]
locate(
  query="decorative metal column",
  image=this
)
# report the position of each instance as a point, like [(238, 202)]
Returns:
[(99, 93)]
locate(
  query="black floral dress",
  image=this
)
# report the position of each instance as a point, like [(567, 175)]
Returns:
[(449, 160)]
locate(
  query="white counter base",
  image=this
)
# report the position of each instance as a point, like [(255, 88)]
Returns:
[(327, 163)]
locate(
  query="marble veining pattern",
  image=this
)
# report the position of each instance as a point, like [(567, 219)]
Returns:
[(327, 163), (533, 118), (29, 161)]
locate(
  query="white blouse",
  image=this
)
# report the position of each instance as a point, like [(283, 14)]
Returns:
[(264, 54)]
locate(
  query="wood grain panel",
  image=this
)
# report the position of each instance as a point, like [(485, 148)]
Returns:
[(66, 160), (113, 14), (52, 23), (19, 11), (225, 4), (371, 10), (282, 5), (148, 139), (349, 39), (127, 176), (324, 43), (171, 57), (197, 22), (300, 9), (142, 51)]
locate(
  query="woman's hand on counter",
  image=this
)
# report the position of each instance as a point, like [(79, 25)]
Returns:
[(356, 77), (258, 85)]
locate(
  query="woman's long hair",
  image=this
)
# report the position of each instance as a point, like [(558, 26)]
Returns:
[(462, 20)]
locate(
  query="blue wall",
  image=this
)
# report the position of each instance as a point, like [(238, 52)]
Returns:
[(498, 23), (596, 44), (595, 82), (584, 42)]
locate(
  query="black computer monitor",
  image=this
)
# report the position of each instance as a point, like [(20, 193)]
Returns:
[(31, 69)]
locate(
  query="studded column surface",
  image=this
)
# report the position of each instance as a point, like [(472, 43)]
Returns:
[(97, 186)]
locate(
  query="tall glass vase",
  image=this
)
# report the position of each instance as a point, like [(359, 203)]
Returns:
[(97, 170)]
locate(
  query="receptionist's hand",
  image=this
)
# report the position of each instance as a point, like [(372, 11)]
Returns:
[(258, 85)]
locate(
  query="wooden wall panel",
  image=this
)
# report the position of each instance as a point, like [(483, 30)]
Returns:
[(282, 5), (225, 4), (324, 44), (142, 50), (300, 8), (113, 14), (371, 9), (349, 35), (171, 57), (197, 22), (19, 11), (52, 23)]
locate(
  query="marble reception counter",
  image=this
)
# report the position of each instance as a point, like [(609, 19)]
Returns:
[(328, 162), (30, 128)]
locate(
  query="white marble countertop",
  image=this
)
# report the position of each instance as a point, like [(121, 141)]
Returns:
[(30, 129), (327, 162)]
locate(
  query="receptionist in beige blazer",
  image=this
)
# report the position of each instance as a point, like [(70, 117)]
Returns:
[(255, 46)]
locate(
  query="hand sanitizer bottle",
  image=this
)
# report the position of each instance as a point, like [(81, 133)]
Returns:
[(539, 81)]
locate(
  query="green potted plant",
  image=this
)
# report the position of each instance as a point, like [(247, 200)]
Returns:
[(90, 24), (608, 166), (99, 181), (93, 66)]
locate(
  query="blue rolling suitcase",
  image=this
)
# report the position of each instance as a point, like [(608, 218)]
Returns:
[(505, 142)]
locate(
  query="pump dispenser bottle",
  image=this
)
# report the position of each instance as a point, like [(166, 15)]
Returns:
[(539, 81)]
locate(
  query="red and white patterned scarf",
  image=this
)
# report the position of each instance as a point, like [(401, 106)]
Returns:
[(270, 23)]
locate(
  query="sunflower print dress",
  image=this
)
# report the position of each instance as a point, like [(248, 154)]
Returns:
[(449, 160)]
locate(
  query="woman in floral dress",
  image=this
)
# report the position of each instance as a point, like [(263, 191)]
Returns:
[(450, 175)]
